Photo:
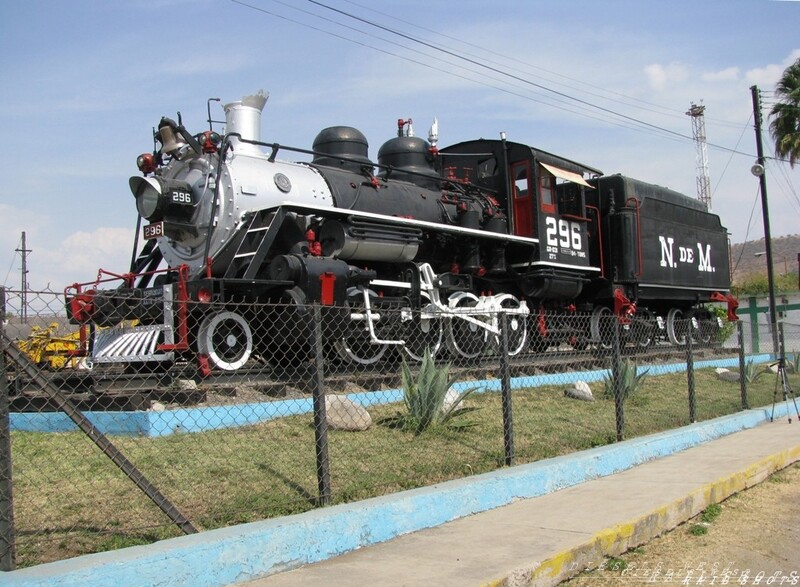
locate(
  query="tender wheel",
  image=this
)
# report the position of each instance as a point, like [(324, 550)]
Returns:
[(676, 327), (422, 331), (600, 327), (643, 328), (226, 339), (517, 327), (707, 327), (357, 346), (465, 338)]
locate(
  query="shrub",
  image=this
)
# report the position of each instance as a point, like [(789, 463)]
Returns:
[(424, 398), (630, 380), (752, 371), (793, 362)]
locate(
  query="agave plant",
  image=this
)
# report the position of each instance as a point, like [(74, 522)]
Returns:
[(752, 371), (793, 362), (630, 380), (425, 399)]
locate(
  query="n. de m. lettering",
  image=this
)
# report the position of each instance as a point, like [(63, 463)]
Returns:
[(687, 255)]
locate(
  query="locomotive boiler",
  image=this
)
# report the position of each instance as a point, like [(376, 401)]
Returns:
[(422, 249)]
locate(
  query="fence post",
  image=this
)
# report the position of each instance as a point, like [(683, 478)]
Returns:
[(616, 373), (505, 381), (7, 542), (742, 366), (690, 371), (320, 419)]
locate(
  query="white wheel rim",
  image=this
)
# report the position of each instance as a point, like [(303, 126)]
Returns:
[(455, 324), (426, 327), (673, 316), (226, 339), (346, 346)]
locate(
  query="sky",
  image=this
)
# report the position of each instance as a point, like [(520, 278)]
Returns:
[(606, 83)]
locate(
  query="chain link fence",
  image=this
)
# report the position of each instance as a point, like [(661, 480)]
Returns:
[(273, 409)]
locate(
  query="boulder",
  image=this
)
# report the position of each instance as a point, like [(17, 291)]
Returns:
[(450, 398), (157, 406), (726, 375), (579, 390), (343, 414)]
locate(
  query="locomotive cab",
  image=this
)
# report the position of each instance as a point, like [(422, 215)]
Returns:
[(545, 199)]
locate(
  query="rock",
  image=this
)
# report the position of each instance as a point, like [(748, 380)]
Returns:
[(720, 370), (579, 390), (450, 398), (351, 387), (342, 414), (157, 407), (726, 375), (186, 384)]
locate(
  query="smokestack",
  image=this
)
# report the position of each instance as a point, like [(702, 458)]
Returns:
[(244, 117)]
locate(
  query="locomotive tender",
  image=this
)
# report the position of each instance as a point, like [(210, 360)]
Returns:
[(421, 250)]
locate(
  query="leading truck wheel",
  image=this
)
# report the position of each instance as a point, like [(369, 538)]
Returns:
[(226, 339)]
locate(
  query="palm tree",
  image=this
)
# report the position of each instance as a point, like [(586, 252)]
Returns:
[(785, 125)]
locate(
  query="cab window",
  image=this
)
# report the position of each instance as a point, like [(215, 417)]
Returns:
[(547, 188)]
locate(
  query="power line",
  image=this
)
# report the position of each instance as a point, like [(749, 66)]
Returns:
[(614, 118), (449, 72), (514, 76), (627, 100), (505, 89)]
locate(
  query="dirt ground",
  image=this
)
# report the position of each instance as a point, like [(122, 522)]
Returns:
[(754, 540)]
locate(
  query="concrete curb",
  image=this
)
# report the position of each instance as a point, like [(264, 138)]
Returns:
[(616, 540), (236, 554)]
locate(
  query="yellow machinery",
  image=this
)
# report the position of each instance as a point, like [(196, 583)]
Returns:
[(46, 348)]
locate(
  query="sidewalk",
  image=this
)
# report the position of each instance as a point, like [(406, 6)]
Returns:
[(544, 540)]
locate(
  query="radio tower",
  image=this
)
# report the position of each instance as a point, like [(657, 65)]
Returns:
[(699, 133)]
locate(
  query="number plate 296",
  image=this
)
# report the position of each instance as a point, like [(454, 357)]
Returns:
[(154, 230)]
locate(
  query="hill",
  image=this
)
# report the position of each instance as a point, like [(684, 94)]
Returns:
[(748, 259)]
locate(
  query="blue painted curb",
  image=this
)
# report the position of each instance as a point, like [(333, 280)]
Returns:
[(150, 423), (236, 554)]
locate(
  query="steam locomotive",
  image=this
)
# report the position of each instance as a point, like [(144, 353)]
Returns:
[(423, 250)]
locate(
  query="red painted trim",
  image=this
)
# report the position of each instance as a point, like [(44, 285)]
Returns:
[(623, 307), (733, 304), (327, 283), (523, 205)]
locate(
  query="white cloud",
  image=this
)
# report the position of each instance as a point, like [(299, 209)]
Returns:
[(78, 256), (725, 75), (659, 76), (769, 75), (56, 261)]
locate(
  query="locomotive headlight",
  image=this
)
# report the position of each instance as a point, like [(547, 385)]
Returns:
[(149, 199), (157, 197)]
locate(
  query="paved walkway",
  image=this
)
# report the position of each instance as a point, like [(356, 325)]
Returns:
[(544, 540)]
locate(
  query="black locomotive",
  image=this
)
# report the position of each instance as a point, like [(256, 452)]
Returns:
[(422, 249)]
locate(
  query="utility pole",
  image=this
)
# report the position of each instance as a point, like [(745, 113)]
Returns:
[(759, 170), (699, 134), (24, 250)]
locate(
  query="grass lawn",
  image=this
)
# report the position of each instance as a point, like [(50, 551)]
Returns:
[(69, 499)]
